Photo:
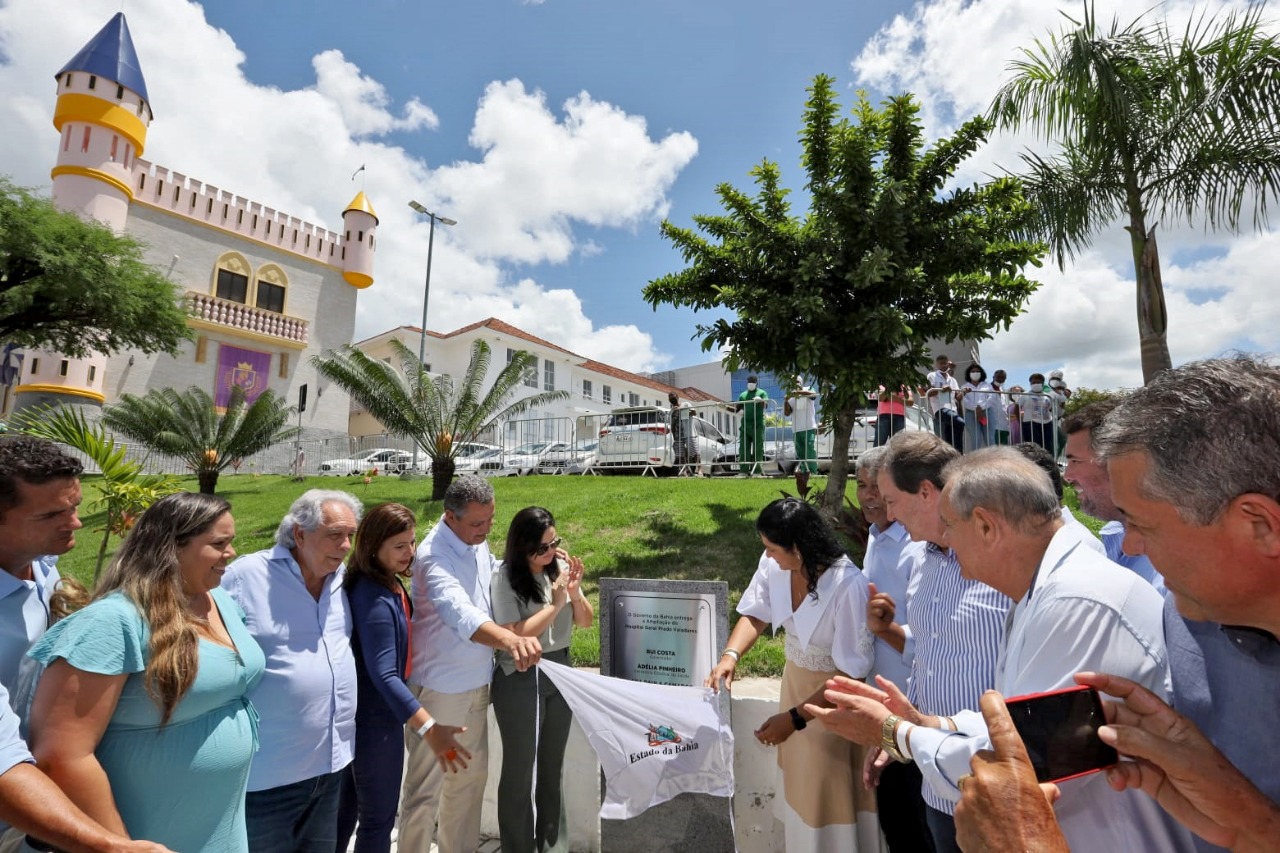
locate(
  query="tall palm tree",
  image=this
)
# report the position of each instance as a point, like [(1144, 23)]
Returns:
[(188, 426), (1153, 127), (437, 412)]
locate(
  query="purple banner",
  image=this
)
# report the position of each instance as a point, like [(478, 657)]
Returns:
[(245, 368)]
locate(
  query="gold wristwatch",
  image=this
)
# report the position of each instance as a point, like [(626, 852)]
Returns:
[(889, 740)]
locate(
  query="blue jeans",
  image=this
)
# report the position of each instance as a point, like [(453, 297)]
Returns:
[(297, 818), (371, 788)]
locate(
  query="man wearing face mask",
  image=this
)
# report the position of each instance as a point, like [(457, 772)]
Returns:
[(1040, 409), (1060, 388), (751, 403), (999, 411)]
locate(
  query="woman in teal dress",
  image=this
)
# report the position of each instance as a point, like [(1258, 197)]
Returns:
[(141, 716)]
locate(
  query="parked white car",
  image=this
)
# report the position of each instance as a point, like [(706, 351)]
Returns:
[(574, 460), (465, 450), (523, 460), (471, 464), (384, 460), (639, 437)]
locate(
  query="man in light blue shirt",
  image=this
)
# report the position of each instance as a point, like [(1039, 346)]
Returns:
[(889, 558), (306, 702), (1087, 472), (956, 622), (39, 497), (453, 638), (1074, 611)]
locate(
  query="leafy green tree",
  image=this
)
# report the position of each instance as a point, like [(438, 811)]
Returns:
[(1081, 397), (188, 426), (123, 493), (437, 412), (1148, 126), (75, 286), (885, 259)]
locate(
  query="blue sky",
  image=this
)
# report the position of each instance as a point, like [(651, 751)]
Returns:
[(560, 133)]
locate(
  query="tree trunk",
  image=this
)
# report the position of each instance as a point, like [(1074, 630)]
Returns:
[(1153, 319), (441, 476), (833, 496), (208, 480)]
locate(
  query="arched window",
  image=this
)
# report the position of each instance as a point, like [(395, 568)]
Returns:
[(273, 284), (231, 278)]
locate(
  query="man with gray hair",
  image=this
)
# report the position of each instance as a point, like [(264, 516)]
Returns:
[(296, 609), (1073, 609), (453, 638), (1192, 461)]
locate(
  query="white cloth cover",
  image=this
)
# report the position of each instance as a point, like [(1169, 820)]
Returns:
[(654, 741)]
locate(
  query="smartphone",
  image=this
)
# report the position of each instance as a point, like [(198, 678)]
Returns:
[(1060, 730)]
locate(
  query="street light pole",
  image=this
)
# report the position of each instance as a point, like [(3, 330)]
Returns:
[(426, 291)]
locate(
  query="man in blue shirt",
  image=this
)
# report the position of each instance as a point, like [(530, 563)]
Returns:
[(955, 623), (297, 611), (1087, 473), (887, 565), (453, 638), (1203, 502), (39, 497)]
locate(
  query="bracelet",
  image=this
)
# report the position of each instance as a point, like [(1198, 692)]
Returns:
[(426, 727), (733, 653)]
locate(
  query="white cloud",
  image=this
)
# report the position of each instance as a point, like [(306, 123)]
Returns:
[(539, 178), (954, 55), (363, 101), (540, 175)]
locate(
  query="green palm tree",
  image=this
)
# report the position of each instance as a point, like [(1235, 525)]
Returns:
[(437, 412), (188, 426), (1152, 127)]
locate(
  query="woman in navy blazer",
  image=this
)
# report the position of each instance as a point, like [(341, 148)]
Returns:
[(380, 613)]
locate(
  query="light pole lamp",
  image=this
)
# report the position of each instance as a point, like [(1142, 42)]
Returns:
[(426, 290)]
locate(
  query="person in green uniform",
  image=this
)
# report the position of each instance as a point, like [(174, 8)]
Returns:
[(751, 404)]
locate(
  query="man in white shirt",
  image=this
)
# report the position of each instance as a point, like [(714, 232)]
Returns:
[(803, 409), (1074, 610), (453, 638), (941, 393)]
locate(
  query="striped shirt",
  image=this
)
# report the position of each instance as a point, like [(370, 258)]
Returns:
[(956, 628)]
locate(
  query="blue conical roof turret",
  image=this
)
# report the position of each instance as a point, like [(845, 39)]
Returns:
[(110, 55)]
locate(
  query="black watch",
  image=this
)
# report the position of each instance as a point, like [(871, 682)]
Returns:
[(796, 720)]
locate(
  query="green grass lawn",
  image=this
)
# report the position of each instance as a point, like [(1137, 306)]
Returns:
[(636, 527), (633, 527)]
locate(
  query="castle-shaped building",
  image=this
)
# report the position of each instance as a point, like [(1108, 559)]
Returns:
[(265, 290)]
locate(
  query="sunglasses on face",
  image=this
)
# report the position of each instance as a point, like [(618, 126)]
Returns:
[(544, 547)]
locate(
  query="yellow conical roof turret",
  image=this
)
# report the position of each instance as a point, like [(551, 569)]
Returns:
[(361, 203)]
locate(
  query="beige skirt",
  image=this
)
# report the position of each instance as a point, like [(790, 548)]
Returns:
[(823, 803)]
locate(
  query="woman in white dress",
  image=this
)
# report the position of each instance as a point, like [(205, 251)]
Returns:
[(806, 586)]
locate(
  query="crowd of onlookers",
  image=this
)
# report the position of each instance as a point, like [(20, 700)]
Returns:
[(973, 411), (266, 702)]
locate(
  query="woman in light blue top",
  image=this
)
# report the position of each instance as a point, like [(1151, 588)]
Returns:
[(141, 716)]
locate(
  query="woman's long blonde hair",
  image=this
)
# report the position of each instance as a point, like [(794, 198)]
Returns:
[(146, 571)]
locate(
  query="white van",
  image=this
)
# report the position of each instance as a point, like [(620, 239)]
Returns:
[(639, 437)]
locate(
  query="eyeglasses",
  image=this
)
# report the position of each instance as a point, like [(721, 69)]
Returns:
[(544, 547)]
